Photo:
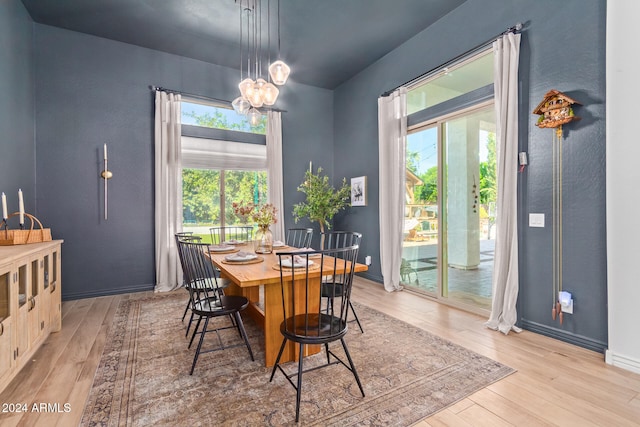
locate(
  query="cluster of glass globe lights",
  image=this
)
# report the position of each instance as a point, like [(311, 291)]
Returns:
[(255, 94)]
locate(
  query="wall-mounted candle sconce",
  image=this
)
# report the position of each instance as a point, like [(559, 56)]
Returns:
[(106, 174)]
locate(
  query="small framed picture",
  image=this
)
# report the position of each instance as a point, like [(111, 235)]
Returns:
[(359, 191)]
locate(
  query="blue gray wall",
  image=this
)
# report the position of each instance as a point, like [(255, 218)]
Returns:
[(91, 91), (17, 121), (563, 48)]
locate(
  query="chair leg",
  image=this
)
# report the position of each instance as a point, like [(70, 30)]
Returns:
[(233, 322), (356, 316), (329, 304), (326, 350), (275, 366), (195, 331), (299, 388), (195, 357), (185, 310), (353, 368), (243, 332), (186, 334)]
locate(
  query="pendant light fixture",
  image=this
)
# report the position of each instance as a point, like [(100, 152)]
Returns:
[(255, 91), (279, 70)]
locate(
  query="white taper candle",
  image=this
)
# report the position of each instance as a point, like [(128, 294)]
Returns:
[(21, 206), (4, 206)]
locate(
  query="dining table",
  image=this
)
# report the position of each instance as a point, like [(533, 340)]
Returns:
[(258, 280)]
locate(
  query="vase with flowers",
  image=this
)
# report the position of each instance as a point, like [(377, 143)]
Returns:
[(264, 216)]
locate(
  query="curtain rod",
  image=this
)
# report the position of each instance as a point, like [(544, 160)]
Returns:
[(204, 98), (514, 29)]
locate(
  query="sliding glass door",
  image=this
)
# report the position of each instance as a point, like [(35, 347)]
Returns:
[(420, 252), (450, 208)]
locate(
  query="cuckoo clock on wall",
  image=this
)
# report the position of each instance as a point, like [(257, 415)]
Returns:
[(555, 110)]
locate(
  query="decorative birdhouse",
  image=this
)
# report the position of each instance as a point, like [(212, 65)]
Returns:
[(555, 110)]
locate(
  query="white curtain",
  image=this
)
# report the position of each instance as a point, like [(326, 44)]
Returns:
[(392, 140), (274, 170), (168, 190), (505, 268)]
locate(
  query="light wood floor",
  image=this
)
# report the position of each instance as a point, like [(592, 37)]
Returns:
[(556, 383)]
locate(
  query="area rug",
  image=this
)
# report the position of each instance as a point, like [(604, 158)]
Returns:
[(143, 376)]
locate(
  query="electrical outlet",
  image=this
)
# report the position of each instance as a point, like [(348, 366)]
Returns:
[(566, 302), (367, 260), (536, 220)]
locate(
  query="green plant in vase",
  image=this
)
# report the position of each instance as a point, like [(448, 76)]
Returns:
[(323, 201)]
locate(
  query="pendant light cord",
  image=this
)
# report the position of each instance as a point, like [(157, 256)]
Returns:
[(269, 38), (278, 29), (241, 41)]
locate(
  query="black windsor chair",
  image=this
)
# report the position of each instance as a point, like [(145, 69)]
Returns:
[(299, 237), (335, 240), (309, 323), (222, 283), (237, 233), (207, 301), (186, 236)]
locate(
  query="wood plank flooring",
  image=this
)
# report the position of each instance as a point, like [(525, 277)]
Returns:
[(556, 383)]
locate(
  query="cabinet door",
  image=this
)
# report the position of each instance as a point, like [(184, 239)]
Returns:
[(7, 345), (45, 294), (22, 320), (34, 299), (55, 288)]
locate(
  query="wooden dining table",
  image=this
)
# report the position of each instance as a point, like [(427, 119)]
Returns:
[(247, 279)]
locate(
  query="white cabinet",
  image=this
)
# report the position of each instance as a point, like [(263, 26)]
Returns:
[(30, 303)]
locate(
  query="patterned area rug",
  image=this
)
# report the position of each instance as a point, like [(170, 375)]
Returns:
[(143, 376)]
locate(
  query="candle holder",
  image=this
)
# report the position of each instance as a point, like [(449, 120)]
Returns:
[(20, 237)]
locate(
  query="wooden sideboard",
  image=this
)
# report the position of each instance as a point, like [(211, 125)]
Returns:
[(30, 302)]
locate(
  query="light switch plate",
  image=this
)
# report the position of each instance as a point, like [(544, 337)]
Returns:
[(536, 220)]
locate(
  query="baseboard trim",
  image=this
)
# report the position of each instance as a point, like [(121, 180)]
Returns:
[(371, 277), (620, 361), (579, 340), (106, 292)]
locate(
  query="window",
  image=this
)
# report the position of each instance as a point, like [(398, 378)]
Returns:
[(224, 160), (219, 117), (451, 82)]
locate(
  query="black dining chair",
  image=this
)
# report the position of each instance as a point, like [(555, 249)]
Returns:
[(222, 283), (308, 323), (335, 240), (186, 236), (299, 237), (241, 233), (207, 301)]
